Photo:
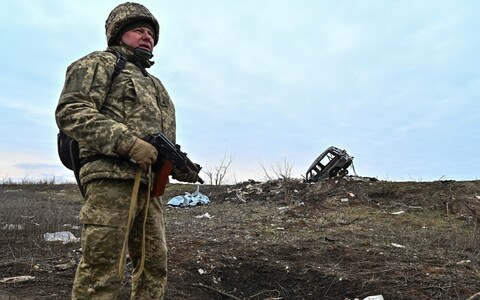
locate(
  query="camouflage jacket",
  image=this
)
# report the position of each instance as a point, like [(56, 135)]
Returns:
[(105, 117)]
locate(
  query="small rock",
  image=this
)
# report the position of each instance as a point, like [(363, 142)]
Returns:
[(63, 267)]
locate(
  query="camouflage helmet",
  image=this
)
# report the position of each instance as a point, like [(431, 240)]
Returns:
[(125, 14)]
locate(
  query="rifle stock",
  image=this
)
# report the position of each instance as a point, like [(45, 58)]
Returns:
[(161, 178)]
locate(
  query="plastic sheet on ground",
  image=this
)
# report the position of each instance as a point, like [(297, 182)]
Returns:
[(60, 236), (189, 199)]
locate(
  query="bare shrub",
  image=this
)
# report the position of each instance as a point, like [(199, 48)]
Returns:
[(282, 170), (216, 175)]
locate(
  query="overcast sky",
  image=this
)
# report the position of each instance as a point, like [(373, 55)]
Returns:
[(261, 83)]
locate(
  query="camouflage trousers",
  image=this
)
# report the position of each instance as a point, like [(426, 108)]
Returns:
[(104, 216)]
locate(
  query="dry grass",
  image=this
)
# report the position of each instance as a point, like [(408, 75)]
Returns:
[(338, 239)]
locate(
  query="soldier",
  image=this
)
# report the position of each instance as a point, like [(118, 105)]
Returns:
[(108, 116)]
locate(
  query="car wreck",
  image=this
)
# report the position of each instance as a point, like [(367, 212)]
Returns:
[(332, 162)]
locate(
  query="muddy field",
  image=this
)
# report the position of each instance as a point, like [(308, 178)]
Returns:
[(340, 239)]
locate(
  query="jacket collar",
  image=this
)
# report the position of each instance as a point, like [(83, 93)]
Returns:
[(131, 56)]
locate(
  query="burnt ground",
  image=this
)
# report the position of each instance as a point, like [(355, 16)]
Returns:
[(342, 239)]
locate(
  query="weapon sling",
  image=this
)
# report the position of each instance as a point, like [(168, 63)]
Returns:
[(131, 215)]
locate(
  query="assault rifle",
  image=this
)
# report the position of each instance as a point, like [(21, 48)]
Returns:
[(169, 156)]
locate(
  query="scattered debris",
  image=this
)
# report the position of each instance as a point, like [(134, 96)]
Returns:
[(249, 235), (361, 179)]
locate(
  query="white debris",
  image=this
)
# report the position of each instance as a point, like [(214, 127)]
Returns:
[(344, 200), (376, 297), (71, 226), (398, 212), (63, 267), (415, 207), (17, 279), (201, 271), (397, 246), (14, 227), (464, 262), (60, 236), (240, 195), (204, 216)]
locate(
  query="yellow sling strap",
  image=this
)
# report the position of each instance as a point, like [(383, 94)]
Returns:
[(131, 215), (138, 272)]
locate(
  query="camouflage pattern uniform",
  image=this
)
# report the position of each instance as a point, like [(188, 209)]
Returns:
[(105, 118)]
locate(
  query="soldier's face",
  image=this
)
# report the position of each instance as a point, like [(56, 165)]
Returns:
[(139, 37)]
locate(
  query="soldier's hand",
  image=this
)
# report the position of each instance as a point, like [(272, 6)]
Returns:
[(189, 176), (143, 153)]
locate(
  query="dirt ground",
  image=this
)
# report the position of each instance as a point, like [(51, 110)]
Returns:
[(343, 238)]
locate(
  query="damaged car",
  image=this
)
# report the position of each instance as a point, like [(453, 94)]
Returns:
[(332, 162)]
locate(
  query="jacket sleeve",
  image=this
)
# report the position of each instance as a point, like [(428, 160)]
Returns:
[(87, 84)]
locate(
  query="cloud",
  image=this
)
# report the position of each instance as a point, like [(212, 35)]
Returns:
[(271, 79)]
